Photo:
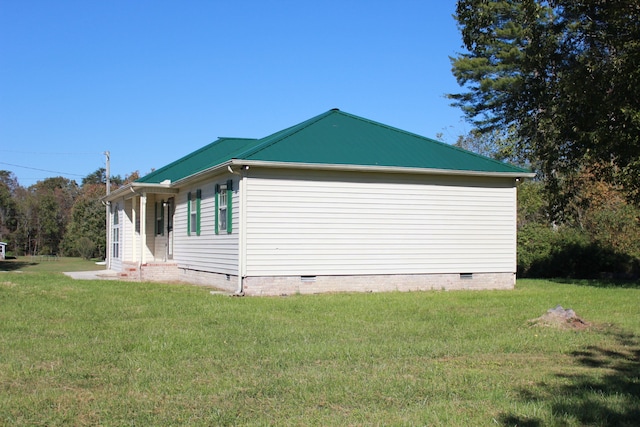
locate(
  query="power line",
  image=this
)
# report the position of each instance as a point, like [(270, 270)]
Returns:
[(78, 153), (41, 170)]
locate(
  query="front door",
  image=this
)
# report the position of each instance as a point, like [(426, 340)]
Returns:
[(170, 209)]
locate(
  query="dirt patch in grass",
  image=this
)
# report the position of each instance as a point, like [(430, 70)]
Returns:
[(561, 318)]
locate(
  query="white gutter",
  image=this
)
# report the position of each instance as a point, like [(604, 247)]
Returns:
[(242, 203), (172, 187), (386, 169)]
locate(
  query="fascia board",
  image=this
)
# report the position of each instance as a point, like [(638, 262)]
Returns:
[(383, 169), (135, 188)]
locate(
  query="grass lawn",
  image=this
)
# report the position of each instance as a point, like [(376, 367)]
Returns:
[(47, 264), (121, 353)]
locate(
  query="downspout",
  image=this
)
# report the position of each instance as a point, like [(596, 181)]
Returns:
[(143, 233), (107, 249), (241, 228), (134, 238)]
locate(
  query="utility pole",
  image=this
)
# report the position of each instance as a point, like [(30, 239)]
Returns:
[(108, 216), (108, 171)]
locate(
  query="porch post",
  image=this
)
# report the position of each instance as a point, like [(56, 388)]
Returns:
[(143, 228), (135, 233), (108, 249)]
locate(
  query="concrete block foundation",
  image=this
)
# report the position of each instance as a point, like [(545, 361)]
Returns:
[(288, 285)]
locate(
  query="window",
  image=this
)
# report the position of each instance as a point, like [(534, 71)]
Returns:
[(193, 213), (224, 201), (116, 242), (223, 208), (159, 218), (115, 233)]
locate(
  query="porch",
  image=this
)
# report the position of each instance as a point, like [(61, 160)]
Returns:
[(141, 237)]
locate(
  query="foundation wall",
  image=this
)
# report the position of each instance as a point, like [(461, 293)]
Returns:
[(290, 285), (287, 285), (225, 282)]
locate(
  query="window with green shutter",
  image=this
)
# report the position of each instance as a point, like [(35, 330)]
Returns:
[(223, 203), (193, 213)]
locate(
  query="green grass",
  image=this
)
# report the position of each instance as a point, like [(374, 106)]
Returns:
[(46, 264), (121, 353)]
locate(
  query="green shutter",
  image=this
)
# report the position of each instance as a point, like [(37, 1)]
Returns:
[(198, 199), (189, 214), (229, 204), (216, 218), (155, 218)]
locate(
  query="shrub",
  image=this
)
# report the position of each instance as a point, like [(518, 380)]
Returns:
[(546, 252), (85, 247)]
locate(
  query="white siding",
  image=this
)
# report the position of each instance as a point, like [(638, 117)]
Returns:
[(208, 252), (128, 231), (324, 224)]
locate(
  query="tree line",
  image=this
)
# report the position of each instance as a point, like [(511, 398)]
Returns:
[(551, 85), (55, 216), (554, 85)]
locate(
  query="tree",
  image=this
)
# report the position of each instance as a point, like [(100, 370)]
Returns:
[(26, 235), (99, 176), (88, 216), (87, 223), (564, 74), (497, 144), (8, 208), (54, 198)]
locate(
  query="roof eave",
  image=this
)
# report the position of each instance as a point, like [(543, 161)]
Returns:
[(383, 169), (202, 174), (136, 188)]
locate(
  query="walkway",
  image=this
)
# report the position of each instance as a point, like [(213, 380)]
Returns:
[(93, 275)]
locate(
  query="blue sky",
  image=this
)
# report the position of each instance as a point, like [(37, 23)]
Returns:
[(151, 81)]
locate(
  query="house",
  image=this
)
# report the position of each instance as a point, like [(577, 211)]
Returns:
[(335, 203), (3, 250)]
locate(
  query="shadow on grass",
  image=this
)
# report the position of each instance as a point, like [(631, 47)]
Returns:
[(600, 283), (608, 394), (14, 265)]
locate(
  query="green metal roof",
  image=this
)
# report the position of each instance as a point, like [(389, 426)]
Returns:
[(219, 151), (335, 138)]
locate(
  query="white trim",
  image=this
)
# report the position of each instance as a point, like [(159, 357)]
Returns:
[(143, 228), (172, 188), (242, 229), (385, 169), (133, 188)]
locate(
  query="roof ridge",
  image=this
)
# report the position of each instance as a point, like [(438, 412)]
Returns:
[(285, 133)]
